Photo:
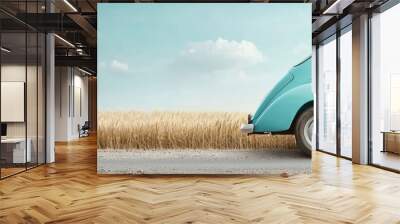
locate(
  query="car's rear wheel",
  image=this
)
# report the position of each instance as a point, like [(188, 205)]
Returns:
[(304, 130)]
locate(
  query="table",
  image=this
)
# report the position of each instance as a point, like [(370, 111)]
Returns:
[(13, 150), (391, 141)]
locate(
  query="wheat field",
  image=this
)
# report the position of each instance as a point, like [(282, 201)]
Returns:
[(181, 130)]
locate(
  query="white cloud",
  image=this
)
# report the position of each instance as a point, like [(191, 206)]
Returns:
[(117, 65), (220, 54)]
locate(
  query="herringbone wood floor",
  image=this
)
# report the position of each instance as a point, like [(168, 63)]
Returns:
[(70, 191)]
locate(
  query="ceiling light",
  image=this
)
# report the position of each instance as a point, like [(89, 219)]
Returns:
[(70, 5), (5, 50), (65, 41), (84, 71), (79, 51), (337, 7)]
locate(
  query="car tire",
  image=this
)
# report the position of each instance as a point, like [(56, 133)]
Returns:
[(302, 131)]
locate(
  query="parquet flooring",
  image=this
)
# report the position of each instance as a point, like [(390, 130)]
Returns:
[(10, 171), (70, 191)]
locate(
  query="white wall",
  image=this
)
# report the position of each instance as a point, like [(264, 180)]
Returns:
[(62, 82), (71, 87), (12, 73), (79, 110), (9, 73)]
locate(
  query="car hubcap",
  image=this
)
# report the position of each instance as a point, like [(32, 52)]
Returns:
[(308, 130)]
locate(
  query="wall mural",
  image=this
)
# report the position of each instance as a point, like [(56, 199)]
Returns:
[(204, 88)]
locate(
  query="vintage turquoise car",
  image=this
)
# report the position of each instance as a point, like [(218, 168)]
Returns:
[(288, 108)]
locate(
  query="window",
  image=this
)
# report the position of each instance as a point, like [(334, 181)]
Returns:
[(385, 89), (23, 89), (346, 92), (327, 96)]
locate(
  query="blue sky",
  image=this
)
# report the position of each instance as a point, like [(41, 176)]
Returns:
[(197, 57)]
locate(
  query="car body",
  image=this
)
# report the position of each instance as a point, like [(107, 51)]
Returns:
[(280, 109)]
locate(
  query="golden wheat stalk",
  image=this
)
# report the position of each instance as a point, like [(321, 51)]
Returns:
[(181, 130)]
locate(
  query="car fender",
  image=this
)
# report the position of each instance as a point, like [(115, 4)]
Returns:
[(279, 115)]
